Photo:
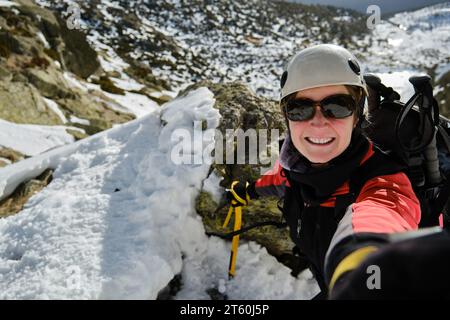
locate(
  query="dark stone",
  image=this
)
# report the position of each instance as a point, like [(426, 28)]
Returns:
[(78, 55)]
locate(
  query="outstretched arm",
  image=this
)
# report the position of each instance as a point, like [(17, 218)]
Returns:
[(385, 205)]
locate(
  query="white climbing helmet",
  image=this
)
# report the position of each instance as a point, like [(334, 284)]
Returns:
[(321, 65)]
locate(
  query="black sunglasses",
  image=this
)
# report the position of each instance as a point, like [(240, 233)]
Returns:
[(337, 106)]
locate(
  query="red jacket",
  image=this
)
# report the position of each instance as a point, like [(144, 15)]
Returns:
[(385, 204)]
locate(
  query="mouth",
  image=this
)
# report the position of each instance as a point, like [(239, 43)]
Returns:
[(319, 141)]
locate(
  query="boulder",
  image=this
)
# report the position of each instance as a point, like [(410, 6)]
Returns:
[(49, 82), (241, 108), (77, 54), (5, 74), (22, 103), (99, 114), (9, 44), (16, 201), (10, 155)]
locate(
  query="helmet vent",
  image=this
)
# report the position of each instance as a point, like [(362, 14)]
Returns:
[(283, 79), (354, 66)]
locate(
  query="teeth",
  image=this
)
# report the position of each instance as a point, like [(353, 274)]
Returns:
[(320, 140)]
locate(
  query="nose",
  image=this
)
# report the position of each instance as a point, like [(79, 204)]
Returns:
[(319, 119)]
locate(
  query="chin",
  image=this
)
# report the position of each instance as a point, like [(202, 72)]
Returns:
[(320, 160)]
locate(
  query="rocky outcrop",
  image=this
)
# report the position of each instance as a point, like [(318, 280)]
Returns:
[(97, 112), (49, 82), (241, 108), (76, 55), (16, 201), (187, 41), (9, 44), (8, 156), (30, 108), (36, 48)]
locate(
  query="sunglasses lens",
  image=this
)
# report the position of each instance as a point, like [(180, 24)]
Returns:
[(299, 110), (338, 107)]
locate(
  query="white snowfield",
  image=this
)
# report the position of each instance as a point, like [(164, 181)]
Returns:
[(31, 139), (118, 221), (411, 41)]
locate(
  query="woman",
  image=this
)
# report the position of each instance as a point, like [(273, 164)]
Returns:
[(342, 196)]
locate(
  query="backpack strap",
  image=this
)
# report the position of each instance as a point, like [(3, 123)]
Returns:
[(292, 207)]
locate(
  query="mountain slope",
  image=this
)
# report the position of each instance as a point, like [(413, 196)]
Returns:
[(180, 42), (150, 50), (44, 71), (414, 43)]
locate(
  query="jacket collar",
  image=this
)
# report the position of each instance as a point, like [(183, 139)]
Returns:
[(319, 184)]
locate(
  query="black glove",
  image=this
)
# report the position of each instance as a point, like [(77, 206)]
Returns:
[(410, 269), (240, 193)]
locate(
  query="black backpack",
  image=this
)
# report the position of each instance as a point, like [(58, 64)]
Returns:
[(416, 135)]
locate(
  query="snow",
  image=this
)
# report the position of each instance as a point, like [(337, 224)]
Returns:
[(32, 139), (43, 39), (54, 107), (4, 3), (118, 221), (211, 185), (411, 40), (74, 82), (140, 105), (127, 84), (162, 93), (74, 119), (112, 62)]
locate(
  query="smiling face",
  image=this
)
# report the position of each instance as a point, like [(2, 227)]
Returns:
[(322, 139)]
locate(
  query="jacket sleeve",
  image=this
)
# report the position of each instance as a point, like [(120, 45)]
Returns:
[(413, 267), (272, 183), (385, 205)]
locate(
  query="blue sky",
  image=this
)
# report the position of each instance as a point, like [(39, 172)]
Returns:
[(386, 6)]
